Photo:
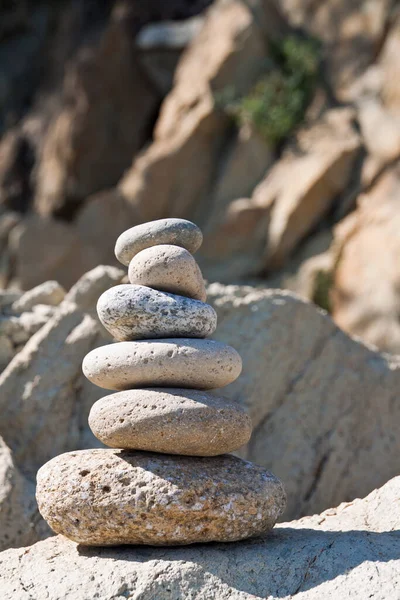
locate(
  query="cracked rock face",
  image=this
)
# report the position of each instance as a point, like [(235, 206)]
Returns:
[(111, 497), (173, 421), (131, 312)]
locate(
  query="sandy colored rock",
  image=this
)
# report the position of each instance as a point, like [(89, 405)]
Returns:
[(350, 31), (174, 362), (351, 551), (87, 289), (29, 244), (235, 230), (169, 269), (323, 406), (131, 312), (50, 401), (366, 280), (172, 421), (300, 188), (49, 292), (87, 146), (175, 174), (178, 232), (20, 522), (112, 497)]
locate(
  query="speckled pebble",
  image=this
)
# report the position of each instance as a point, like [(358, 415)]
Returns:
[(132, 312), (178, 232), (170, 269), (111, 497), (175, 362), (172, 421)]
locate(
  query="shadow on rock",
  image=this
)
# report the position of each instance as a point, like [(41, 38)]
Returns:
[(283, 563)]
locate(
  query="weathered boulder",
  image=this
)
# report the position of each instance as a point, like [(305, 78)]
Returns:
[(377, 95), (92, 284), (366, 279), (86, 148), (348, 552), (44, 381), (235, 230), (20, 521), (259, 234), (350, 31), (50, 293), (174, 175), (300, 189), (43, 249), (323, 406), (44, 397), (22, 315)]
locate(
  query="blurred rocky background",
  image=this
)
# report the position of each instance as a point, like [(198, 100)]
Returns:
[(275, 126)]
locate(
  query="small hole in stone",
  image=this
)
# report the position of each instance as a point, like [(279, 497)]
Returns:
[(106, 488), (122, 420), (84, 473)]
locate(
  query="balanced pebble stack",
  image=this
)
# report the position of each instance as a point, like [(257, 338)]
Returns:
[(167, 478)]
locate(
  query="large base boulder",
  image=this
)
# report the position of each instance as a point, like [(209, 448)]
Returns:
[(324, 407), (349, 552)]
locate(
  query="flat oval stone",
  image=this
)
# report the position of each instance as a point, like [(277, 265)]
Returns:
[(177, 232), (175, 362), (172, 421), (169, 269), (132, 312), (110, 497)]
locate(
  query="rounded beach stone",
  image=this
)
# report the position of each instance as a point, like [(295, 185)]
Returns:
[(172, 421), (169, 269), (131, 312), (109, 497), (175, 362), (177, 232)]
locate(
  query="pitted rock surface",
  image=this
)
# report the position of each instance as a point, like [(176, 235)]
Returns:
[(169, 269), (111, 497), (174, 362), (173, 421), (131, 312), (177, 232)]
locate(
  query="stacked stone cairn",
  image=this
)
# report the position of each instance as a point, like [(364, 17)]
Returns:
[(168, 478)]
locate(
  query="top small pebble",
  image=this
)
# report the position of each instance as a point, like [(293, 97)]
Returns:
[(177, 232)]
